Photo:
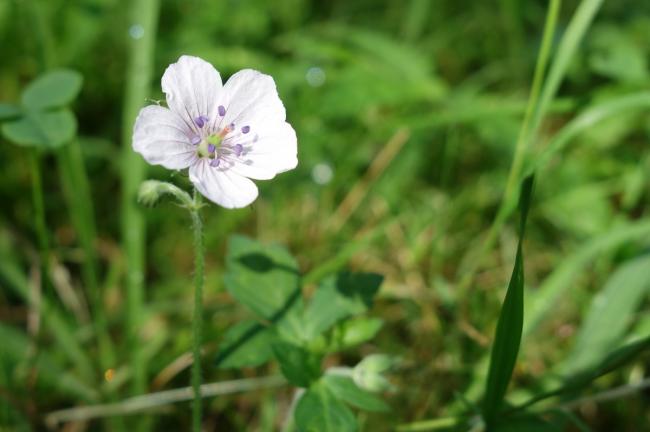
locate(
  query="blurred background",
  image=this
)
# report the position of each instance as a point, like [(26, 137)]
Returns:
[(407, 113)]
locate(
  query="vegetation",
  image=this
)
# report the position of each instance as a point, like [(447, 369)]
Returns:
[(384, 284)]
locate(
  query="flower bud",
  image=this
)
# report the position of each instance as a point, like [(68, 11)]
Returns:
[(368, 374), (150, 192)]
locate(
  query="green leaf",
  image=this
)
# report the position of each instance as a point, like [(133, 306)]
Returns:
[(298, 365), (353, 332), (510, 324), (8, 111), (49, 129), (339, 297), (346, 390), (610, 314), (52, 90), (527, 423), (320, 411), (613, 361), (586, 120), (246, 344), (543, 299), (617, 55), (265, 278)]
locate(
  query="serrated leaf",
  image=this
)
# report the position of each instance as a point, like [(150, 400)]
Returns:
[(318, 410), (610, 313), (265, 278), (338, 297), (509, 327), (346, 390), (299, 366), (8, 111), (52, 90), (46, 129), (246, 344)]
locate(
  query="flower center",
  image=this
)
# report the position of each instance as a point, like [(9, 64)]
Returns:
[(218, 144)]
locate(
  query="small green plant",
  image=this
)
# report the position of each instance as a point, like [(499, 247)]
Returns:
[(298, 334)]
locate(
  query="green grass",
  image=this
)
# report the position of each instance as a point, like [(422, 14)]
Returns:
[(429, 115)]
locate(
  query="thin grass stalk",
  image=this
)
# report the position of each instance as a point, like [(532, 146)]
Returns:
[(522, 144), (144, 13)]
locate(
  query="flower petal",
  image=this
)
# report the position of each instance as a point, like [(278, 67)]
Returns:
[(192, 86), (270, 152), (251, 99), (223, 187), (162, 138)]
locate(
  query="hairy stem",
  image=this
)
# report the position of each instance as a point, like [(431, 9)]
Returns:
[(197, 320)]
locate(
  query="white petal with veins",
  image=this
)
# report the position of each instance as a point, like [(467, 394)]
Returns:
[(192, 87), (222, 186), (161, 137), (226, 135)]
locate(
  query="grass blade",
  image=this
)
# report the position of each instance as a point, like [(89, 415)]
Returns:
[(510, 325), (609, 314), (144, 13)]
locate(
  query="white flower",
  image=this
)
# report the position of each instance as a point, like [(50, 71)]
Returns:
[(225, 134)]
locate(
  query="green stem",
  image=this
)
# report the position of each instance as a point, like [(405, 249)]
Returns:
[(509, 201), (39, 216), (144, 13), (197, 320)]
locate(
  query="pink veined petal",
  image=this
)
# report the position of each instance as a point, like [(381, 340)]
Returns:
[(272, 151), (192, 87), (162, 138), (250, 98), (223, 187)]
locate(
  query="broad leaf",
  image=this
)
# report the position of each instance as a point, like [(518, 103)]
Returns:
[(54, 89), (352, 332), (298, 365), (265, 278), (46, 129), (8, 111), (510, 324), (345, 389), (339, 297), (246, 344), (320, 411)]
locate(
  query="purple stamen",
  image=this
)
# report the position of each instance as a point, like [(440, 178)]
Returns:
[(238, 149), (222, 110), (215, 162), (245, 129), (231, 126), (195, 140), (201, 121), (211, 148)]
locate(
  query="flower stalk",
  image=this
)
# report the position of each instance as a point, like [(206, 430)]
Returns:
[(197, 319)]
